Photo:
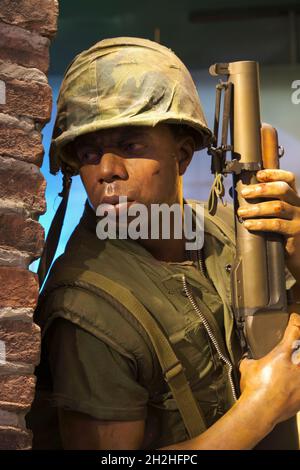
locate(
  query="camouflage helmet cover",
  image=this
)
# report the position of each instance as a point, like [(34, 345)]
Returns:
[(120, 82)]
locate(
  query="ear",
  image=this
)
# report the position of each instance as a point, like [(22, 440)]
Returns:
[(186, 149)]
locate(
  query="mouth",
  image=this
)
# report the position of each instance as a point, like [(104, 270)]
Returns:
[(120, 204), (115, 200)]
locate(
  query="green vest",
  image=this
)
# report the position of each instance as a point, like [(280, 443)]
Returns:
[(155, 321)]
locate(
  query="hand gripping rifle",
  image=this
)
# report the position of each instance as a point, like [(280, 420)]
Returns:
[(259, 295)]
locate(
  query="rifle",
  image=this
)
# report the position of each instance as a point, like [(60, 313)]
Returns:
[(259, 297)]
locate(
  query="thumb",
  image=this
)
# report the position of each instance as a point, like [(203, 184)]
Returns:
[(245, 364), (292, 332)]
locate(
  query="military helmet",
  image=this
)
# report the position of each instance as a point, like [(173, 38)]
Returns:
[(120, 82)]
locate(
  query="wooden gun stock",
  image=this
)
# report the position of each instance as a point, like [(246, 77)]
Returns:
[(270, 146)]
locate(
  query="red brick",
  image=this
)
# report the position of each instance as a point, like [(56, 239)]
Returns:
[(31, 99), (16, 141), (16, 392), (23, 47), (34, 15), (19, 288), (9, 71), (21, 234), (22, 341), (14, 439), (24, 182)]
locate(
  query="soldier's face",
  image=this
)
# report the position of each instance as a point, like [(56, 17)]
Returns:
[(143, 163)]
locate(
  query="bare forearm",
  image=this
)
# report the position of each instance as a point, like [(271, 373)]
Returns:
[(242, 427)]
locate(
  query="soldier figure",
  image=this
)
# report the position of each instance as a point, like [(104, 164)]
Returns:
[(139, 347)]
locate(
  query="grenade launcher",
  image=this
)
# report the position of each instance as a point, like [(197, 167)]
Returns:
[(259, 295)]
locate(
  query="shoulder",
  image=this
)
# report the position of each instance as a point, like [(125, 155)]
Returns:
[(75, 345), (85, 370), (99, 319)]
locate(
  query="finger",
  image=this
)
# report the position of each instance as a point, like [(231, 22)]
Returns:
[(292, 332), (284, 227), (275, 208), (267, 175), (277, 190)]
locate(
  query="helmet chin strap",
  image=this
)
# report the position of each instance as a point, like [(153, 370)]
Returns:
[(55, 229)]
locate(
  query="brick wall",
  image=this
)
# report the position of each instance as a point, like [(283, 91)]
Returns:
[(26, 29)]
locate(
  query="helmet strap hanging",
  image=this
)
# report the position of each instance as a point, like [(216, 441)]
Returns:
[(54, 232)]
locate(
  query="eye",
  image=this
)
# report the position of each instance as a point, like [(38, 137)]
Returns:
[(134, 148), (89, 156)]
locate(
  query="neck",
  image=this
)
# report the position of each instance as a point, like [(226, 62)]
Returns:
[(169, 250)]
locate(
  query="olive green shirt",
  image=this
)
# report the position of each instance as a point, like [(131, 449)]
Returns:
[(80, 372)]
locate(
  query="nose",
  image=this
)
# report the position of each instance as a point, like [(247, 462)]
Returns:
[(111, 167)]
